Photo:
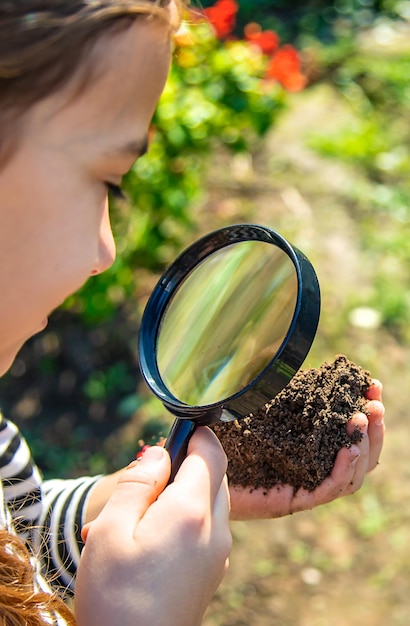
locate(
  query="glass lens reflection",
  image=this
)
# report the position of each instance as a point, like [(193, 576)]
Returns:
[(226, 322)]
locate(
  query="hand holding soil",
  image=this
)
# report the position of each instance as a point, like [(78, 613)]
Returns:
[(294, 439)]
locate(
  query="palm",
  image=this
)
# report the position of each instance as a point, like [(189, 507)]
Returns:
[(347, 476)]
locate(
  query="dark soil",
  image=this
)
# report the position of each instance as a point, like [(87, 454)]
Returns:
[(294, 439)]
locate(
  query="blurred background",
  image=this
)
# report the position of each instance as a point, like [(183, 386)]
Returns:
[(296, 117)]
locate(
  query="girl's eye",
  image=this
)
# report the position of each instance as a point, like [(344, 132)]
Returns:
[(115, 191)]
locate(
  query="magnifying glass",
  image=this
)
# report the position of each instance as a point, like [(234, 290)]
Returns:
[(226, 328)]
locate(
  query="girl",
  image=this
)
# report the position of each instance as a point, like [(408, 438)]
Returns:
[(79, 81)]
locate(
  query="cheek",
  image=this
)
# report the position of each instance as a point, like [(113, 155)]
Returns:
[(70, 251), (50, 257), (45, 265), (49, 238)]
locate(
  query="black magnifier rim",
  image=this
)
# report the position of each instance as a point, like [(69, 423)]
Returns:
[(285, 363)]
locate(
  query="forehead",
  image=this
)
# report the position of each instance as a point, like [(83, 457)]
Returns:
[(130, 68)]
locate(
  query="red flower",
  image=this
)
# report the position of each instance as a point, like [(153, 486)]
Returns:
[(222, 16), (266, 40), (285, 68)]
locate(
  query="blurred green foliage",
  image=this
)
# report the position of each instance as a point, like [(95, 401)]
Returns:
[(376, 142)]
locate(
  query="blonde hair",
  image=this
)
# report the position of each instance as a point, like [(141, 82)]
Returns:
[(20, 603), (43, 44)]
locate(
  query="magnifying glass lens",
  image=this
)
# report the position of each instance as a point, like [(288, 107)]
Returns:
[(226, 321)]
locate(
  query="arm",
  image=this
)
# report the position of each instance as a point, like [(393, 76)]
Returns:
[(20, 478), (48, 515), (56, 536)]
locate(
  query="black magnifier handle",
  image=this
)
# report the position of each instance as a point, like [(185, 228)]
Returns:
[(177, 443)]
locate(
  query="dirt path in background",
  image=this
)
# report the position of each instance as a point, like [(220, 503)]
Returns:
[(347, 562)]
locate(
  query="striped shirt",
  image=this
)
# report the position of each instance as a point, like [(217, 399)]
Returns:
[(48, 514)]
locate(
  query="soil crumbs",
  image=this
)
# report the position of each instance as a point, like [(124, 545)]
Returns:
[(294, 439)]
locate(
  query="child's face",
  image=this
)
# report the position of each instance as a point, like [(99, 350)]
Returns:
[(54, 224)]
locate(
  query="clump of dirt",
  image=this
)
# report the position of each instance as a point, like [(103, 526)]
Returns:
[(294, 439)]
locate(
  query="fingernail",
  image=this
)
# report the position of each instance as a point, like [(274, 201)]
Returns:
[(141, 452), (153, 453)]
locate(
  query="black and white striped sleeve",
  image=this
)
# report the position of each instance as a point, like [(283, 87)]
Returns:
[(47, 514), (20, 478), (57, 537)]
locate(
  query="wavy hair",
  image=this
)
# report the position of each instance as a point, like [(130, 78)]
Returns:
[(43, 44), (20, 603)]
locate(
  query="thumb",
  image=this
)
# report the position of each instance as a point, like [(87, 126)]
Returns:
[(138, 487)]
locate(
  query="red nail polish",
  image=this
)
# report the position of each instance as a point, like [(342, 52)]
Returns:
[(141, 452)]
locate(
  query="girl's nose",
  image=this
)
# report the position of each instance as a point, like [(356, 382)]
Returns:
[(106, 246)]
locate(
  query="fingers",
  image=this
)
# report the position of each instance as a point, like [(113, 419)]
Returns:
[(221, 511), (375, 390), (137, 488), (260, 503), (359, 423), (222, 504), (283, 500), (205, 464), (353, 463), (158, 550), (340, 482), (197, 502), (375, 413), (348, 471)]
